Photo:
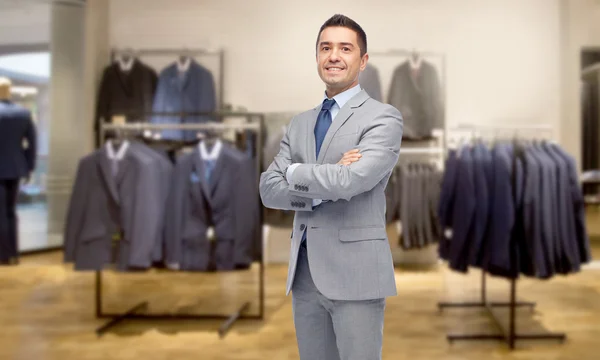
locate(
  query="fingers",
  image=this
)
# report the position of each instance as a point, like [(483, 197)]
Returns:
[(353, 151)]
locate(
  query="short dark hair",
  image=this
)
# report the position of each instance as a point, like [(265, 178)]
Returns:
[(344, 21)]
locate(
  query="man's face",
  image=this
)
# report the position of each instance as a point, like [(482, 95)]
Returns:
[(338, 59)]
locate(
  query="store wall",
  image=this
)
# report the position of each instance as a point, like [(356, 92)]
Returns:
[(24, 22), (503, 63)]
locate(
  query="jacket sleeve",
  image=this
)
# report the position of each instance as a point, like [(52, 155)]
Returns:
[(175, 210), (380, 148), (247, 214), (274, 188), (76, 212), (146, 212), (31, 150)]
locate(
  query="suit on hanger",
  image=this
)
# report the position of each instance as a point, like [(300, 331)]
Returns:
[(111, 210), (369, 80), (128, 93), (228, 201), (184, 92), (417, 94), (16, 162)]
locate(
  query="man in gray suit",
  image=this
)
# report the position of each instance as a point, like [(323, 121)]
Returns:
[(332, 168)]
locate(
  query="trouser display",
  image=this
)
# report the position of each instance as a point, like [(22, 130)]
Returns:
[(9, 190), (334, 329)]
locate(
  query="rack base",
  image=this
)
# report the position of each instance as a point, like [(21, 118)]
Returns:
[(507, 335), (137, 313)]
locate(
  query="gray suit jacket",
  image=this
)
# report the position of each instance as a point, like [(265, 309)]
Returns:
[(102, 206), (348, 251)]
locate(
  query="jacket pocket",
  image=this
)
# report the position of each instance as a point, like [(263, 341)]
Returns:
[(362, 233)]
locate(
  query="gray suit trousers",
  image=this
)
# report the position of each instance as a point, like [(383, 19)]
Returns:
[(334, 329)]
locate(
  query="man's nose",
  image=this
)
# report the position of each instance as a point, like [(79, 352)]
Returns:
[(334, 57)]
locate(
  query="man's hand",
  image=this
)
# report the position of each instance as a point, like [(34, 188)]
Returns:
[(350, 157)]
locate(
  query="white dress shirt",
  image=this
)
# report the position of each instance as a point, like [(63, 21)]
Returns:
[(340, 100), (116, 157)]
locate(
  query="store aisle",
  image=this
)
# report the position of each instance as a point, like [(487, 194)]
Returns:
[(47, 313)]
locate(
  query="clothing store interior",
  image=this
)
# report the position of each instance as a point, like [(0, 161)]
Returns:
[(492, 211)]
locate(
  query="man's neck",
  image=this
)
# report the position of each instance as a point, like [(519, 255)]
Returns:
[(331, 92)]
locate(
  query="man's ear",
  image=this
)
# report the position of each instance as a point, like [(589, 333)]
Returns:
[(363, 62)]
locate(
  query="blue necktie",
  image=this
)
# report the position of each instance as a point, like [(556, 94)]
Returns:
[(321, 127), (209, 166), (323, 123)]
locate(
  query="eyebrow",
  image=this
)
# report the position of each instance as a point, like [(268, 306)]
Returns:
[(342, 43)]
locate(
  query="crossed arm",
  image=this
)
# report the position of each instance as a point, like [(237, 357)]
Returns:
[(379, 148)]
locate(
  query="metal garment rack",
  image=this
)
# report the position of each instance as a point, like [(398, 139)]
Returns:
[(510, 335), (137, 312), (191, 52)]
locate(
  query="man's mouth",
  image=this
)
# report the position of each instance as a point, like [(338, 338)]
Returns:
[(334, 68)]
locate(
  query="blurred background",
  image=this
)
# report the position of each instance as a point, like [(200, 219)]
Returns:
[(498, 68)]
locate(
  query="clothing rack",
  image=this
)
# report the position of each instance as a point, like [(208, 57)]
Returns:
[(255, 124), (510, 335), (191, 52)]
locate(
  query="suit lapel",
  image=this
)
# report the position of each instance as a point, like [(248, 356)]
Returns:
[(106, 170), (220, 164), (345, 113), (198, 185), (311, 145)]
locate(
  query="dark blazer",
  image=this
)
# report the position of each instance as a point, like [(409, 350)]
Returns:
[(230, 203), (102, 206), (192, 91), (497, 253), (481, 162), (418, 99), (446, 202), (16, 125), (463, 212), (123, 93)]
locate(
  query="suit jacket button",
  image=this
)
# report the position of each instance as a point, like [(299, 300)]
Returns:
[(302, 227)]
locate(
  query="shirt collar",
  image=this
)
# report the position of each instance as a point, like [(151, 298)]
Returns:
[(214, 154), (342, 98), (120, 153)]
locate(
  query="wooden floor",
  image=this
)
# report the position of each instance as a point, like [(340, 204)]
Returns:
[(47, 312)]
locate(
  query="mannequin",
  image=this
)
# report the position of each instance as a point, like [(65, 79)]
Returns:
[(16, 162), (5, 86)]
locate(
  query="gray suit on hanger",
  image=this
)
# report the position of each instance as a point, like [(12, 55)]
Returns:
[(104, 204), (351, 267)]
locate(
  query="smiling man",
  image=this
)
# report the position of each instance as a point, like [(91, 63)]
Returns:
[(332, 168)]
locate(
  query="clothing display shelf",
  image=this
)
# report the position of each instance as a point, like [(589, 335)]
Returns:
[(468, 133), (254, 124), (188, 52)]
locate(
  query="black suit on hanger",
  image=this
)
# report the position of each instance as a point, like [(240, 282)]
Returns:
[(122, 92)]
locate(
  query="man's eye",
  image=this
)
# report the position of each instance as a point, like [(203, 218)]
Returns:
[(346, 48), (325, 48)]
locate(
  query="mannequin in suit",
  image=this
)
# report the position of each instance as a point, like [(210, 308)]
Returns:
[(16, 162)]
